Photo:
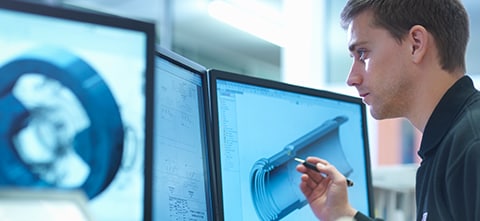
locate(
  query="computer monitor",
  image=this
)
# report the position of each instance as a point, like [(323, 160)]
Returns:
[(181, 185), (75, 96), (260, 126)]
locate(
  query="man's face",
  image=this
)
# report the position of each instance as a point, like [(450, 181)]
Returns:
[(380, 69)]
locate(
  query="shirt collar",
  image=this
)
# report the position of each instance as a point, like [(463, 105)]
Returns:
[(444, 114)]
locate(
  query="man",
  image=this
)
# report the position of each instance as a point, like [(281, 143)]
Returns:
[(409, 61)]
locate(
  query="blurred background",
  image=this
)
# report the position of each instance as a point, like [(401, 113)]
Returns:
[(293, 41)]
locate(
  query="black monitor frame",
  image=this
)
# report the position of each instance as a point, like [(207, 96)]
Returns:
[(104, 19), (215, 74)]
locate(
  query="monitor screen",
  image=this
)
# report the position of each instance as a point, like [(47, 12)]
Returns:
[(259, 128), (75, 93), (181, 179)]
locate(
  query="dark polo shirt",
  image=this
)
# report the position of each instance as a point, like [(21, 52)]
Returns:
[(448, 179)]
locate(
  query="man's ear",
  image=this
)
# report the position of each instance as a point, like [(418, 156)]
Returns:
[(418, 38)]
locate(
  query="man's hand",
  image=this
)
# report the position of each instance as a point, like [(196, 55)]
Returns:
[(326, 191)]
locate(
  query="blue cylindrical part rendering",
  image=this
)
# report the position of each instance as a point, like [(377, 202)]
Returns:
[(275, 181)]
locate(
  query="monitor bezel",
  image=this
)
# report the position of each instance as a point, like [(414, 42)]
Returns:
[(191, 66), (109, 20), (216, 74)]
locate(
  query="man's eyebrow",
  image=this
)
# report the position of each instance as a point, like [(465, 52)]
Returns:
[(352, 47)]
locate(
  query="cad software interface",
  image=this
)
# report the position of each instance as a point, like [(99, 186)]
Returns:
[(261, 130), (73, 110)]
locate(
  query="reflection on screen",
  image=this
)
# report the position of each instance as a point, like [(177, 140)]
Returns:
[(179, 141), (263, 127), (72, 95)]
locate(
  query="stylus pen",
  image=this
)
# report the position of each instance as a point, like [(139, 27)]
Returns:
[(314, 167)]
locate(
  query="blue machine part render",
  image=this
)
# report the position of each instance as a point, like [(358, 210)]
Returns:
[(61, 126), (275, 192)]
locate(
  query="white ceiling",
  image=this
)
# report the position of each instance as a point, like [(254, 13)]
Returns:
[(215, 44), (201, 38), (196, 35)]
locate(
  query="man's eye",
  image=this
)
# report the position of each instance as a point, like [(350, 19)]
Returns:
[(361, 54)]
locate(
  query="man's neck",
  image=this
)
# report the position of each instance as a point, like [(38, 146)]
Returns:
[(428, 94)]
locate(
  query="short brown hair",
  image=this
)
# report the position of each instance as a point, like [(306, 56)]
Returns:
[(446, 20)]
